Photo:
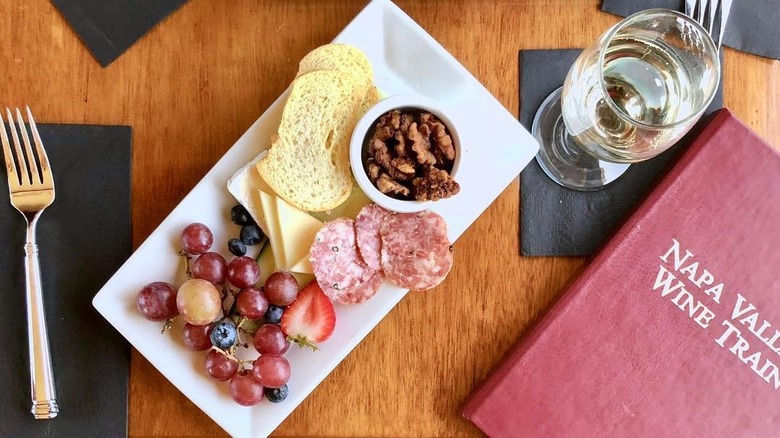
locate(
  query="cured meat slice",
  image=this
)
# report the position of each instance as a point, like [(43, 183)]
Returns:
[(335, 260), (361, 291), (367, 225), (416, 252)]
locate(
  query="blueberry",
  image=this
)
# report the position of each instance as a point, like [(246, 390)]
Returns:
[(251, 235), (240, 216), (276, 395), (274, 314), (224, 334), (236, 247)]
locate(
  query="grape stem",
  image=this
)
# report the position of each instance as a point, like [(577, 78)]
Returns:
[(226, 354), (232, 312), (225, 290), (168, 324), (301, 341), (241, 320), (186, 258)]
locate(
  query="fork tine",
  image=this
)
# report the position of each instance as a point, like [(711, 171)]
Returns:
[(36, 177), (10, 166), (18, 146), (714, 6), (690, 6), (700, 11), (725, 10), (43, 159)]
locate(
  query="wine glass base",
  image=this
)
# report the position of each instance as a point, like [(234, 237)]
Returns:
[(561, 159)]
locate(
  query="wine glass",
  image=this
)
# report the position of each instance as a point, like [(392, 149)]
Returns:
[(627, 98)]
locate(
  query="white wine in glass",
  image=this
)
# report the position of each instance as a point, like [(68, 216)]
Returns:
[(627, 98)]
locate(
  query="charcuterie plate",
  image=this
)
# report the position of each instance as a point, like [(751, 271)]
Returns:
[(406, 60)]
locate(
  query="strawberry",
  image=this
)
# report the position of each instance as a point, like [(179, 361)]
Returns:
[(310, 318)]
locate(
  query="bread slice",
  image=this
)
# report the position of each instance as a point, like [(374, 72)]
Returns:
[(342, 57), (370, 99), (308, 164)]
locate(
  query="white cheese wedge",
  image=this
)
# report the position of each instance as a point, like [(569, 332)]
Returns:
[(243, 185), (297, 229), (268, 204)]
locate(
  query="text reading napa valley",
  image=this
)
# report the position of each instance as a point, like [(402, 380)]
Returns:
[(741, 333)]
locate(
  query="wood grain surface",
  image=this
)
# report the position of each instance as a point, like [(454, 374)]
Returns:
[(196, 82)]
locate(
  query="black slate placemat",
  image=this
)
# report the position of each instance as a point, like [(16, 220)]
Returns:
[(556, 221), (109, 27), (753, 25), (83, 237)]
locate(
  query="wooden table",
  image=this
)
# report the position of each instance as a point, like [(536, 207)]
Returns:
[(195, 83)]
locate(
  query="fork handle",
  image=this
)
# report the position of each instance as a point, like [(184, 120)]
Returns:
[(44, 394)]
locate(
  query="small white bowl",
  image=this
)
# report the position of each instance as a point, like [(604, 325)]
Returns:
[(359, 143)]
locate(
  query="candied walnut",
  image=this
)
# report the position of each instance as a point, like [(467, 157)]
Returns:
[(421, 144), (387, 125), (405, 122), (443, 141), (435, 184), (381, 153), (373, 171), (440, 158), (401, 149), (439, 135), (404, 165), (387, 186)]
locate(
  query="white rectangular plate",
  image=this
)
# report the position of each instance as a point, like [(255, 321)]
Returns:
[(406, 60)]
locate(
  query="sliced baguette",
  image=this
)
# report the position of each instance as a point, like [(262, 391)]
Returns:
[(308, 164), (342, 57)]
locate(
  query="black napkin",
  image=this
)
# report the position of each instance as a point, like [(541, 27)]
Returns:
[(109, 27), (556, 221), (752, 25), (83, 237)]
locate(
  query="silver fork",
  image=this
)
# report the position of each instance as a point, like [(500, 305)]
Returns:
[(705, 12), (31, 191)]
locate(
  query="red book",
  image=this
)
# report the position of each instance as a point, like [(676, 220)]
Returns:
[(674, 328)]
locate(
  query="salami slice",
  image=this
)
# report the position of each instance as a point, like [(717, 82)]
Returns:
[(362, 291), (367, 225), (335, 260), (416, 252)]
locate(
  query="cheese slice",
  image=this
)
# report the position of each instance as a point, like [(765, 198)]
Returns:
[(297, 229), (268, 203), (303, 266), (243, 185)]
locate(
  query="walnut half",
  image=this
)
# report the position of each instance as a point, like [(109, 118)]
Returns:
[(387, 186)]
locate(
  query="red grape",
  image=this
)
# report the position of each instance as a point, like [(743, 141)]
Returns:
[(251, 303), (271, 370), (281, 288), (245, 390), (196, 238), (196, 337), (211, 267), (243, 272), (269, 339), (219, 366), (157, 301)]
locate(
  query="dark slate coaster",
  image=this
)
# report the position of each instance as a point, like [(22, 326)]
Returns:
[(84, 237), (556, 221), (752, 26), (109, 27)]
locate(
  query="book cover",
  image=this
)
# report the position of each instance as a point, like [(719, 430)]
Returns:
[(674, 328)]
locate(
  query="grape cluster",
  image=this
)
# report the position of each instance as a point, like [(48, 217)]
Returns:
[(202, 302)]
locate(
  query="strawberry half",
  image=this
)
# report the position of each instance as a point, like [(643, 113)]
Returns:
[(310, 318)]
